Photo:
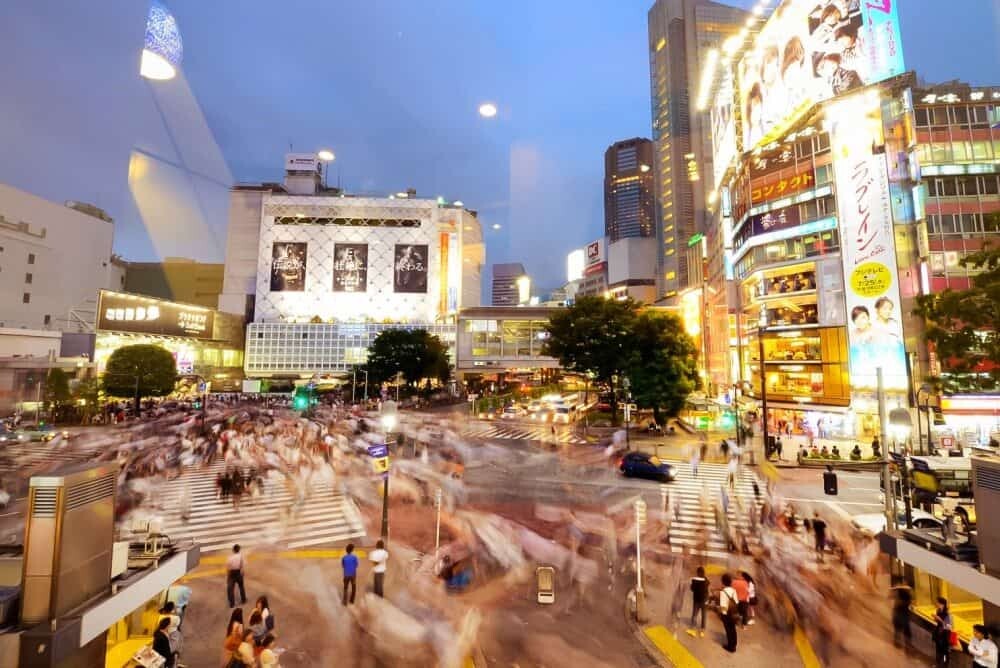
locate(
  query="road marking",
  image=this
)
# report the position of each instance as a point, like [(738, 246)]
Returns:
[(843, 503), (806, 653), (672, 649)]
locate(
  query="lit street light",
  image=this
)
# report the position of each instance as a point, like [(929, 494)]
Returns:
[(487, 110), (327, 156)]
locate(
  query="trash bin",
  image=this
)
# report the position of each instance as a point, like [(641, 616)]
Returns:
[(830, 483)]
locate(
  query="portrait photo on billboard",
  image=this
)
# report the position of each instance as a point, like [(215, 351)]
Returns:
[(288, 266), (810, 51), (410, 268), (350, 267)]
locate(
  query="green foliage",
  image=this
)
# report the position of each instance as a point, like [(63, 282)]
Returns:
[(612, 340), (415, 353), (56, 390), (664, 369), (153, 366), (964, 326)]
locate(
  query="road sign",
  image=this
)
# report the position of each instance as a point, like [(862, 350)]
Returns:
[(378, 451), (380, 464)]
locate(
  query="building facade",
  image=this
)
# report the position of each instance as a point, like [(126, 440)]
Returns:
[(629, 198), (329, 271), (177, 279), (498, 343), (509, 287), (53, 261), (682, 35)]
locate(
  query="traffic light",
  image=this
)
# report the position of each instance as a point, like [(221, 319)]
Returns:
[(301, 400)]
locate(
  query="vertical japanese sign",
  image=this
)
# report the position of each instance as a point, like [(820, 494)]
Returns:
[(288, 266), (443, 274), (868, 245), (350, 267)]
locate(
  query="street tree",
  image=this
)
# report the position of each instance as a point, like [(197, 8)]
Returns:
[(140, 371), (597, 336), (414, 354), (663, 369), (56, 393), (88, 391), (964, 327)]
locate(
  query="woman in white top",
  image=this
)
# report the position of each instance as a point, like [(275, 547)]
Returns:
[(268, 659)]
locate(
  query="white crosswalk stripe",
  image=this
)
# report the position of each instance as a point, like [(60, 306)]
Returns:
[(693, 518), (23, 456), (520, 432), (326, 516)]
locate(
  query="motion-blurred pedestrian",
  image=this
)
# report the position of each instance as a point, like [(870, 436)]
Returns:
[(699, 601), (235, 570), (379, 557), (901, 630), (349, 563), (729, 611)]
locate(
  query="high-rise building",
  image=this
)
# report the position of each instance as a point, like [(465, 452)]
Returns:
[(629, 200), (508, 284), (682, 34)]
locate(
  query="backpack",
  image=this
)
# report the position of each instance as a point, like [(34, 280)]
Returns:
[(732, 610)]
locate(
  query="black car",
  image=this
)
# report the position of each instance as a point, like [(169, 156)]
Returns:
[(642, 465)]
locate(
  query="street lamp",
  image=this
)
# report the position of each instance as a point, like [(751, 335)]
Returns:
[(487, 109), (925, 390), (388, 423), (163, 48), (326, 156), (900, 425)]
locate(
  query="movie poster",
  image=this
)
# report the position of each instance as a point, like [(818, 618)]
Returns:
[(350, 267), (288, 266), (410, 268)]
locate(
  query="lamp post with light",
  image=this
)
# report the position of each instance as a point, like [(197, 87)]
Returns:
[(326, 156), (388, 423), (925, 407), (900, 426)]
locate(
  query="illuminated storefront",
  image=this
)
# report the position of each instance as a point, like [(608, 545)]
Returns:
[(203, 342)]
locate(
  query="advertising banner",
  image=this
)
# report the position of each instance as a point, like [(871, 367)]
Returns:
[(410, 264), (814, 50), (120, 312), (723, 127), (350, 267), (777, 187), (778, 219), (868, 245), (288, 266)]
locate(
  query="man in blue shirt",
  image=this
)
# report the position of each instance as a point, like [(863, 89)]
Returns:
[(349, 562)]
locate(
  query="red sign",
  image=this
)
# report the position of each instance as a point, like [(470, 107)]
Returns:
[(776, 188)]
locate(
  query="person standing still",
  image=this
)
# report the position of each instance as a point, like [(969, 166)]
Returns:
[(982, 648), (235, 568), (742, 588), (943, 625), (699, 599), (349, 562), (729, 609), (379, 557)]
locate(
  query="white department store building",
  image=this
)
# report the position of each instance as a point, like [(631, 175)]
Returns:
[(321, 273)]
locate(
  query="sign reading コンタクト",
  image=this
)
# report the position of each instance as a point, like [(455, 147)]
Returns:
[(777, 187)]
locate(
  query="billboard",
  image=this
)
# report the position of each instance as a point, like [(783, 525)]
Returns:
[(288, 266), (120, 312), (410, 268), (723, 128), (350, 267), (575, 262), (868, 248), (779, 186), (810, 51), (778, 219), (596, 258)]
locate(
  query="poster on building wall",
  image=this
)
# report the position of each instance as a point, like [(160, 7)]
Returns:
[(778, 219), (871, 278), (350, 267), (288, 266), (830, 293), (410, 268), (814, 50)]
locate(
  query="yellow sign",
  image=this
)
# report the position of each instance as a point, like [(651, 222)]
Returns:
[(380, 464), (870, 279)]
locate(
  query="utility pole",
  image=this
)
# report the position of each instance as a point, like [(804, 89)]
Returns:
[(640, 595), (763, 385), (890, 519)]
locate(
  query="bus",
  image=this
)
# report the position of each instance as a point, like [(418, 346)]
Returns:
[(936, 478)]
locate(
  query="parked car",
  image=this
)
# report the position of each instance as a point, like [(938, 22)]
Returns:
[(873, 523), (642, 465)]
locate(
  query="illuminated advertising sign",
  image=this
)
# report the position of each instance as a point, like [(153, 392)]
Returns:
[(288, 266), (723, 128), (575, 262), (782, 186), (120, 312), (778, 219), (410, 274), (868, 248), (814, 50), (350, 267), (595, 252)]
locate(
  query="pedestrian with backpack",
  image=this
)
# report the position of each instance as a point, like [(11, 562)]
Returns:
[(729, 611), (699, 599)]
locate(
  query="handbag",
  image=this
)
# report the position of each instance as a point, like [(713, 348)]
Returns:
[(953, 640)]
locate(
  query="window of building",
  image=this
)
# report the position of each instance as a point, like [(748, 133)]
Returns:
[(960, 114), (923, 117), (31, 258), (939, 115), (988, 185), (27, 278), (26, 298)]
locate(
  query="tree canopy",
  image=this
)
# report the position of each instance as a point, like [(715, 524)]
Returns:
[(56, 387), (415, 353), (612, 339), (964, 327), (152, 366)]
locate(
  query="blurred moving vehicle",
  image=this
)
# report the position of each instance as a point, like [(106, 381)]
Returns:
[(535, 406), (512, 412), (873, 523), (650, 467), (31, 432), (542, 415), (6, 435)]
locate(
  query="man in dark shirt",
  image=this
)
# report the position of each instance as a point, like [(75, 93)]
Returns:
[(349, 562), (819, 531), (161, 643), (699, 597)]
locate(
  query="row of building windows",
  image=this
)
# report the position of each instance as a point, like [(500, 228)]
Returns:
[(964, 186), (977, 116), (799, 248), (814, 209), (963, 223), (957, 152)]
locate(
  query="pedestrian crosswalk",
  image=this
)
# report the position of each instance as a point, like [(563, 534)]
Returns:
[(521, 432), (694, 497), (24, 457), (273, 518)]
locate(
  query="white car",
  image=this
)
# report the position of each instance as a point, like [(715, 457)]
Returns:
[(873, 523), (512, 412)]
